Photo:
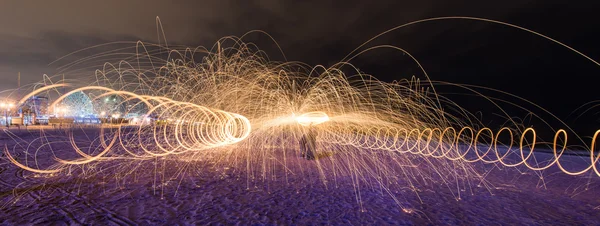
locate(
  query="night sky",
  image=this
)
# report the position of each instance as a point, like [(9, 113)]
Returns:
[(34, 34)]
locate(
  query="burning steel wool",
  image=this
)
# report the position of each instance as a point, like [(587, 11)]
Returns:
[(233, 107)]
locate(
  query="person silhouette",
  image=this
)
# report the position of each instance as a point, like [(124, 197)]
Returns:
[(308, 143)]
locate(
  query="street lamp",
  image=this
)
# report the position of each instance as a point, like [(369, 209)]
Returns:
[(10, 105), (115, 118), (6, 107), (102, 119), (3, 106), (58, 110), (61, 112)]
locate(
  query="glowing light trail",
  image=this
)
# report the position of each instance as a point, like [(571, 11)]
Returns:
[(233, 107)]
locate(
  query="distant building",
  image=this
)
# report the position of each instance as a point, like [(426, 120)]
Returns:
[(34, 109), (37, 105)]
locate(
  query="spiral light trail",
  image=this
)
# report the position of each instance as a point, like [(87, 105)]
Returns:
[(196, 128), (249, 112)]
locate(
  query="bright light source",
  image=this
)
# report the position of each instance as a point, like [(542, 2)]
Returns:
[(312, 118)]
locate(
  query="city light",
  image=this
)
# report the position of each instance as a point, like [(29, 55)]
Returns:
[(7, 105)]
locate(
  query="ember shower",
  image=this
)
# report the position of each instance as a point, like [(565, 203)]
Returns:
[(233, 107)]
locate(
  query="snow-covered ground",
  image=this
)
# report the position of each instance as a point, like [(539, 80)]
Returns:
[(213, 194)]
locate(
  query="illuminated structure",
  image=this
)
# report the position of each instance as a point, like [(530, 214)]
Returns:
[(35, 109), (77, 104), (7, 107)]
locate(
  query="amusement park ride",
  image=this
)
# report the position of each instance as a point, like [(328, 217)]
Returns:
[(36, 110), (77, 108)]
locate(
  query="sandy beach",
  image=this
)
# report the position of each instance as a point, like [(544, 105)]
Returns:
[(214, 194)]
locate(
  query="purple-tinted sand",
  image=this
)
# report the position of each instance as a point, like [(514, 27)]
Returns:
[(206, 194)]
